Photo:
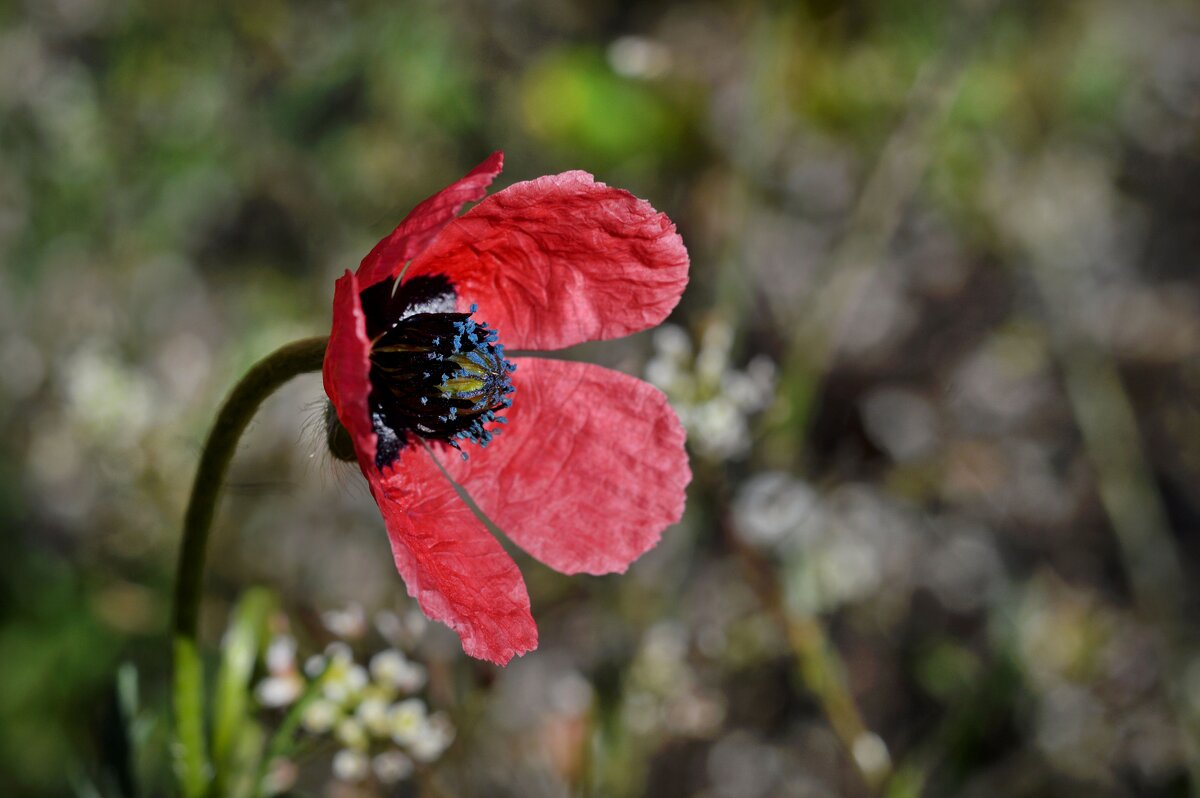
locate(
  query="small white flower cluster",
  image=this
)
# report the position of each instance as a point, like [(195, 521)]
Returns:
[(713, 400), (364, 708), (665, 694), (372, 711), (856, 544), (849, 546)]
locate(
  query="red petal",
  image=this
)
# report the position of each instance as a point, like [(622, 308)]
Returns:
[(451, 564), (589, 470), (560, 260), (425, 221), (347, 367)]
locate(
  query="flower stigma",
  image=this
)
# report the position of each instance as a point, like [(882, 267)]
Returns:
[(440, 376)]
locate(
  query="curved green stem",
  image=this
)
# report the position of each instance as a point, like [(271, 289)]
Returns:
[(263, 379)]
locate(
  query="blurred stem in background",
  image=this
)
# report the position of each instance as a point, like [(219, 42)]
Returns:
[(1132, 503), (848, 273), (821, 669), (263, 379), (891, 185), (1124, 478)]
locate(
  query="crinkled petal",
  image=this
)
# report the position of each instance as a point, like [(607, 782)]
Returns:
[(560, 260), (347, 367), (587, 473), (424, 222), (450, 563)]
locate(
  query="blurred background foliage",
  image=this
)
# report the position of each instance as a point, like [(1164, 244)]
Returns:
[(939, 361)]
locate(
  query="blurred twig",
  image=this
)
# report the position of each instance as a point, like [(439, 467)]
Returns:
[(1108, 424), (847, 274), (895, 178), (819, 666)]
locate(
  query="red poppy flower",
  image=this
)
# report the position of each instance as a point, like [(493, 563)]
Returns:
[(590, 467)]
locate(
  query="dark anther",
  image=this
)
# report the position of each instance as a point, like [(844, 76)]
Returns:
[(440, 376)]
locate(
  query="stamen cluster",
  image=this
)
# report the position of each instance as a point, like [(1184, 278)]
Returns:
[(441, 376)]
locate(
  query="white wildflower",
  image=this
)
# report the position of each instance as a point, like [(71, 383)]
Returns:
[(639, 57), (774, 508), (406, 720), (320, 716), (339, 652), (278, 691), (392, 669), (871, 754), (435, 737), (391, 767), (314, 666), (712, 398), (281, 654), (372, 712), (343, 681), (349, 624), (350, 765), (350, 733), (390, 626)]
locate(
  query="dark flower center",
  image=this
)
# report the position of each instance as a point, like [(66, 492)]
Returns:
[(440, 376)]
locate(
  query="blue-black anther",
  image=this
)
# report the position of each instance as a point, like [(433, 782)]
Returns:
[(439, 376)]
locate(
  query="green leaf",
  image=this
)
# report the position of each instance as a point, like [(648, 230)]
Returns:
[(127, 690), (191, 760), (245, 758), (243, 641), (572, 100)]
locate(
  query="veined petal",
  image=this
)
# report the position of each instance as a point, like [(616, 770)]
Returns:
[(560, 260), (587, 473), (450, 563), (425, 221), (347, 367)]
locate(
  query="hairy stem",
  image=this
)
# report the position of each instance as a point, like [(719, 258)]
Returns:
[(263, 379)]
